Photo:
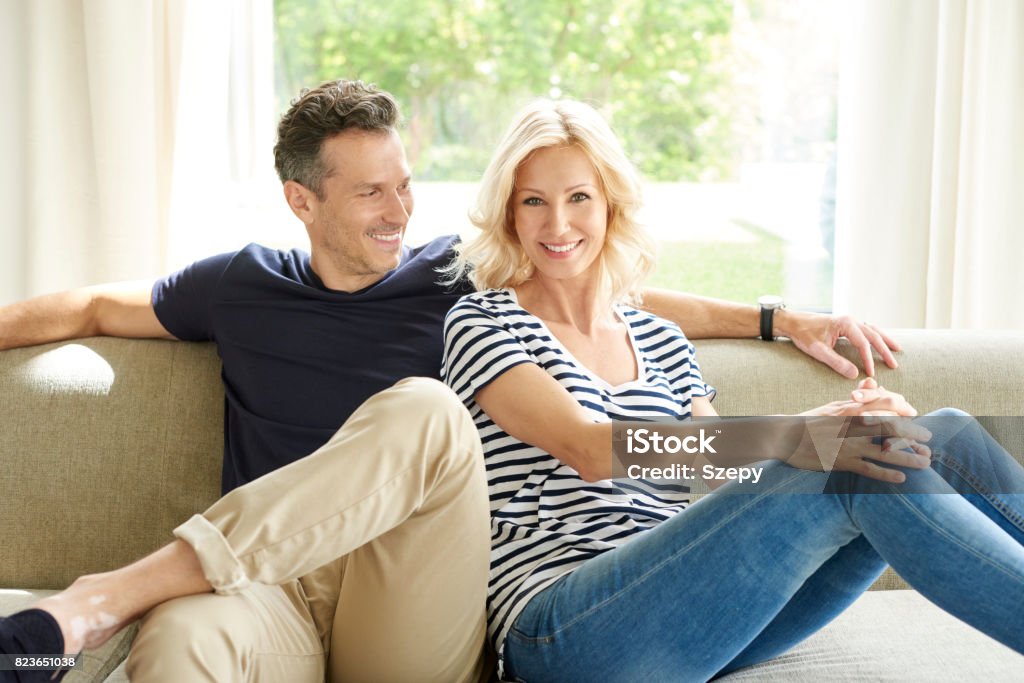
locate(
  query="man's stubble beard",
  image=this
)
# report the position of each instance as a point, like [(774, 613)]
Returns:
[(350, 257)]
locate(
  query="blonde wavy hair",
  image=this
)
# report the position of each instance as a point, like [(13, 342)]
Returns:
[(495, 258)]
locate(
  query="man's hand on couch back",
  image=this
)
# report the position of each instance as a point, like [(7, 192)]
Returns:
[(121, 309), (816, 335)]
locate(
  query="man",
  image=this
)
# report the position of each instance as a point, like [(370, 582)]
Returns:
[(369, 556)]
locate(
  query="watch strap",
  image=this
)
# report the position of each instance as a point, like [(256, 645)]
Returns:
[(767, 323)]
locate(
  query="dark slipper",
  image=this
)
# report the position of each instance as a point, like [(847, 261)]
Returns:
[(32, 632)]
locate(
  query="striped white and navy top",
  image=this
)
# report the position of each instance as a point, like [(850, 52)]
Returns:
[(545, 520)]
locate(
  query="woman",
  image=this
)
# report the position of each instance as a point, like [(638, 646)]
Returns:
[(593, 579)]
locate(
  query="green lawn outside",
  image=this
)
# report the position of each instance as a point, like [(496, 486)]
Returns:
[(736, 271)]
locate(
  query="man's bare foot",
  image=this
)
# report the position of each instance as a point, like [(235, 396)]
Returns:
[(87, 613), (95, 607)]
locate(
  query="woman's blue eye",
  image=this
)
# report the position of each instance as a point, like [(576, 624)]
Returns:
[(580, 196), (532, 201)]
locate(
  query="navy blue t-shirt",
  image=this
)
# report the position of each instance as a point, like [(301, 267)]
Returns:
[(299, 358)]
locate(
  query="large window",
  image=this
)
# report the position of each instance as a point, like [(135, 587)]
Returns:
[(727, 108)]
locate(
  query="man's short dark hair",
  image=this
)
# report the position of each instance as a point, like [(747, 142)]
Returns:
[(321, 113)]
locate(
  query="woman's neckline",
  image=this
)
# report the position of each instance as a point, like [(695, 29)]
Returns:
[(617, 310)]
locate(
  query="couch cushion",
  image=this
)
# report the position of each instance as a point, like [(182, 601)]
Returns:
[(94, 666), (119, 675), (858, 646), (893, 635)]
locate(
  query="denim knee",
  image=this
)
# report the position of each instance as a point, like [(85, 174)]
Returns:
[(946, 424), (948, 411)]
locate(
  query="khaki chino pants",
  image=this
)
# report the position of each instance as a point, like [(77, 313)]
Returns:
[(365, 561)]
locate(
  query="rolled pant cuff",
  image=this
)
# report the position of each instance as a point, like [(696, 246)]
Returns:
[(221, 566)]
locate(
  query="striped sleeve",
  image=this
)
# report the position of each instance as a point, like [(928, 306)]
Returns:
[(698, 387), (666, 347), (477, 348)]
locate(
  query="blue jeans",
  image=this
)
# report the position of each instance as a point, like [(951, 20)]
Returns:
[(738, 579)]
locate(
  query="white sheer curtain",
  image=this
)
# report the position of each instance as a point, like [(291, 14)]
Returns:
[(124, 122), (930, 186)]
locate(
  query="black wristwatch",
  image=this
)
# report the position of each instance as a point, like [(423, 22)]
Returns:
[(769, 303)]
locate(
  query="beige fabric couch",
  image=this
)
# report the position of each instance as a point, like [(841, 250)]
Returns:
[(108, 444)]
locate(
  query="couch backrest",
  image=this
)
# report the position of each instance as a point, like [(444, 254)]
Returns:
[(110, 443), (980, 372), (107, 445)]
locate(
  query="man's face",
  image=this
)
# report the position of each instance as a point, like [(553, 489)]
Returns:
[(358, 225)]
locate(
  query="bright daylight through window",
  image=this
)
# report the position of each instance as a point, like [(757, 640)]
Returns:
[(727, 107)]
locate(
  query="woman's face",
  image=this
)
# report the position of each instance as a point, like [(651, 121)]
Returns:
[(560, 212)]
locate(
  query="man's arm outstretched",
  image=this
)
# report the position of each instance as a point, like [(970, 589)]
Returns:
[(813, 333), (122, 309)]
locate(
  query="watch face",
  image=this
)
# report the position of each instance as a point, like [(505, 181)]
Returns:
[(770, 301)]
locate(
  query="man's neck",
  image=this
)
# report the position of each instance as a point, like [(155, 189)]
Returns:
[(337, 281)]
